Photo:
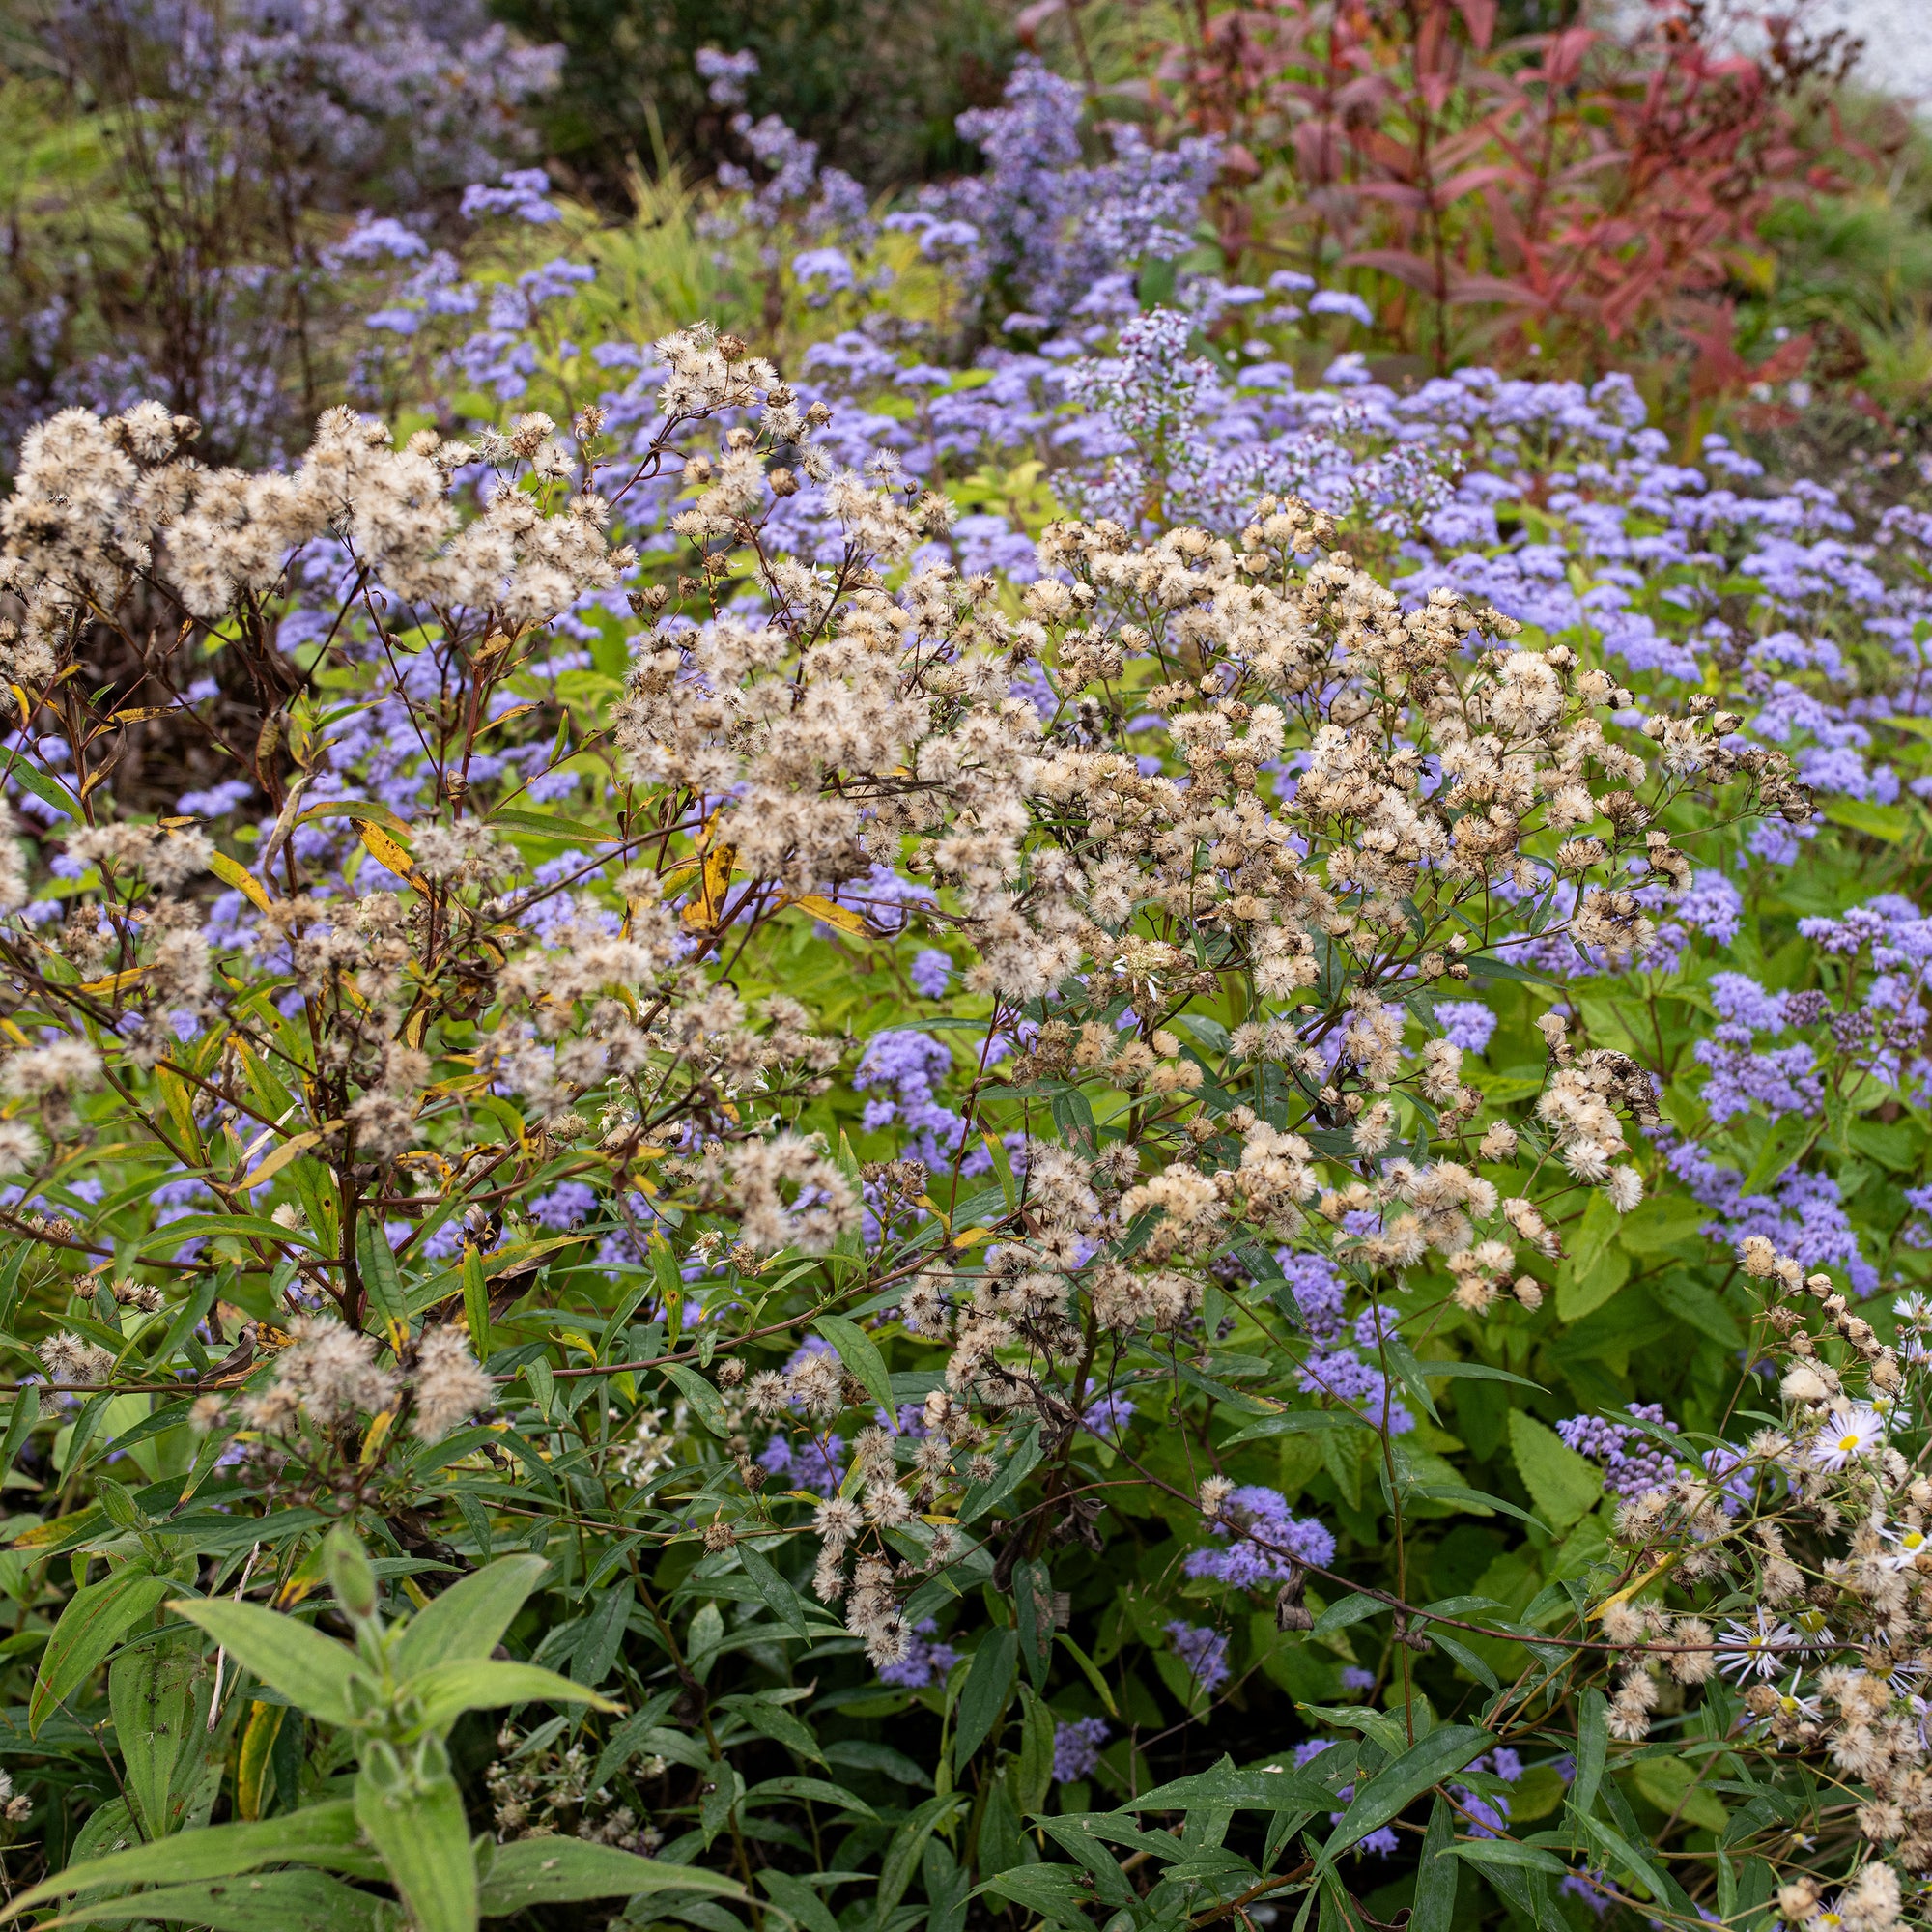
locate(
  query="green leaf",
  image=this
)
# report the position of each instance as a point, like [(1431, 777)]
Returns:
[(476, 1303), (323, 1834), (779, 1597), (1477, 1372), (1434, 1905), (1671, 1784), (983, 1695), (1507, 1852), (569, 831), (605, 1630), (1889, 822), (1399, 1356), (863, 1754), (557, 1870), (96, 1618), (902, 1855), (1032, 1599), (1298, 1422), (310, 1669), (798, 1901), (1347, 1610), (1661, 1223), (477, 1684), (469, 1617), (1563, 1485), (32, 779), (1015, 1464), (1054, 1892), (1395, 1786), (423, 1837), (1582, 1292), (810, 1790), (775, 1721), (309, 1901), (704, 1400), (1593, 1743), (1462, 1653), (1783, 1146), (1031, 1777), (243, 1227), (1476, 1502), (1257, 1789), (159, 1694), (1614, 1846), (376, 1261), (861, 1354)]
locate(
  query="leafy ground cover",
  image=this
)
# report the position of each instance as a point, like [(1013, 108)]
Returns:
[(1071, 1113)]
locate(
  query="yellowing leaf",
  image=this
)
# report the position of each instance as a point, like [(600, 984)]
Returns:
[(833, 914), (387, 851), (257, 1742), (232, 873), (704, 911), (268, 1169), (115, 983), (378, 1429)]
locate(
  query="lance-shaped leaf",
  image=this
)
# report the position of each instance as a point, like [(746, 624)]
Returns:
[(424, 1839), (302, 1664), (470, 1618), (323, 1834), (1397, 1785), (475, 1684), (555, 1870), (282, 1902), (96, 1618), (160, 1695)]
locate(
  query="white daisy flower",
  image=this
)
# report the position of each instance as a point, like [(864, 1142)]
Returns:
[(1906, 1540), (1849, 1435), (1757, 1649)]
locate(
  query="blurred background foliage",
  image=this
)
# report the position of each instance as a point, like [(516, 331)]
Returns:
[(1753, 233)]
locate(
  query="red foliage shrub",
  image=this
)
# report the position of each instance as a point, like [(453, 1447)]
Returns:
[(1563, 190)]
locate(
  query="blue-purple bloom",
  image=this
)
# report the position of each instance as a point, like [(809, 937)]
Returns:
[(1076, 1747), (1266, 1541), (1203, 1651)]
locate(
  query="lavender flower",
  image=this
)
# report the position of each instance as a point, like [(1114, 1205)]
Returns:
[(924, 1660), (1076, 1747), (1465, 1023), (1203, 1651), (1265, 1545)]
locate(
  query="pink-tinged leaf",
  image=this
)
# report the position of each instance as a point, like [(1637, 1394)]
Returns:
[(1480, 17), (1401, 263), (1445, 194)]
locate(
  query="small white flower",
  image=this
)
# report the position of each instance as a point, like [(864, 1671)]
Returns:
[(1907, 1541), (1848, 1437), (1756, 1649)]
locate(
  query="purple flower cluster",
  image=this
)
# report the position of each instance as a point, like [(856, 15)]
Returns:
[(1331, 1368), (909, 1066), (1076, 1747), (924, 1660), (810, 1461), (1107, 1417), (1803, 1216), (1041, 233), (1465, 1023), (1781, 1080), (1203, 1651), (1633, 1461), (1266, 1543)]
